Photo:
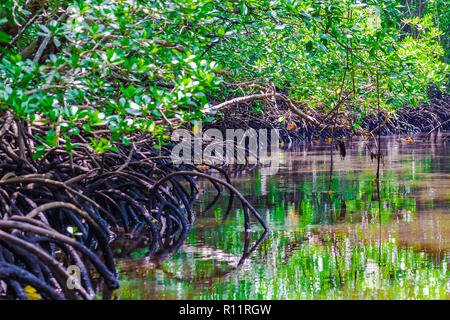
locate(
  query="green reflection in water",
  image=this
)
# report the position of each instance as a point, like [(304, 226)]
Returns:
[(319, 246)]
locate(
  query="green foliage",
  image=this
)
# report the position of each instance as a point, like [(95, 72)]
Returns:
[(118, 65), (149, 65)]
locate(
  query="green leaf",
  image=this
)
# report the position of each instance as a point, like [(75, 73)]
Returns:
[(4, 37)]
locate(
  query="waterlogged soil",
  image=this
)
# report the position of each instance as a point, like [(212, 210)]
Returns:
[(321, 244)]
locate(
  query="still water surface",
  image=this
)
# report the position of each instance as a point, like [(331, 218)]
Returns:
[(320, 245)]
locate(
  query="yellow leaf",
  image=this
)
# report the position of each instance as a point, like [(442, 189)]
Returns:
[(31, 293), (196, 128), (375, 180), (292, 126), (229, 5), (329, 139), (330, 192)]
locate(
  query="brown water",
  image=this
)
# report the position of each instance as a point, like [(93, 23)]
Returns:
[(319, 246)]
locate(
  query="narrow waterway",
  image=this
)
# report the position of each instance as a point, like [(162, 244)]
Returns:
[(321, 244)]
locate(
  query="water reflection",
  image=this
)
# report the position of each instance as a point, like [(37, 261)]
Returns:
[(343, 245)]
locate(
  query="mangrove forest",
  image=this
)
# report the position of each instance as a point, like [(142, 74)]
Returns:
[(224, 150)]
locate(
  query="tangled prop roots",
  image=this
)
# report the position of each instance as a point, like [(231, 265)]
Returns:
[(64, 210)]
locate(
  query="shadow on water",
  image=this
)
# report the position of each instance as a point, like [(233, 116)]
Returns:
[(367, 239)]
